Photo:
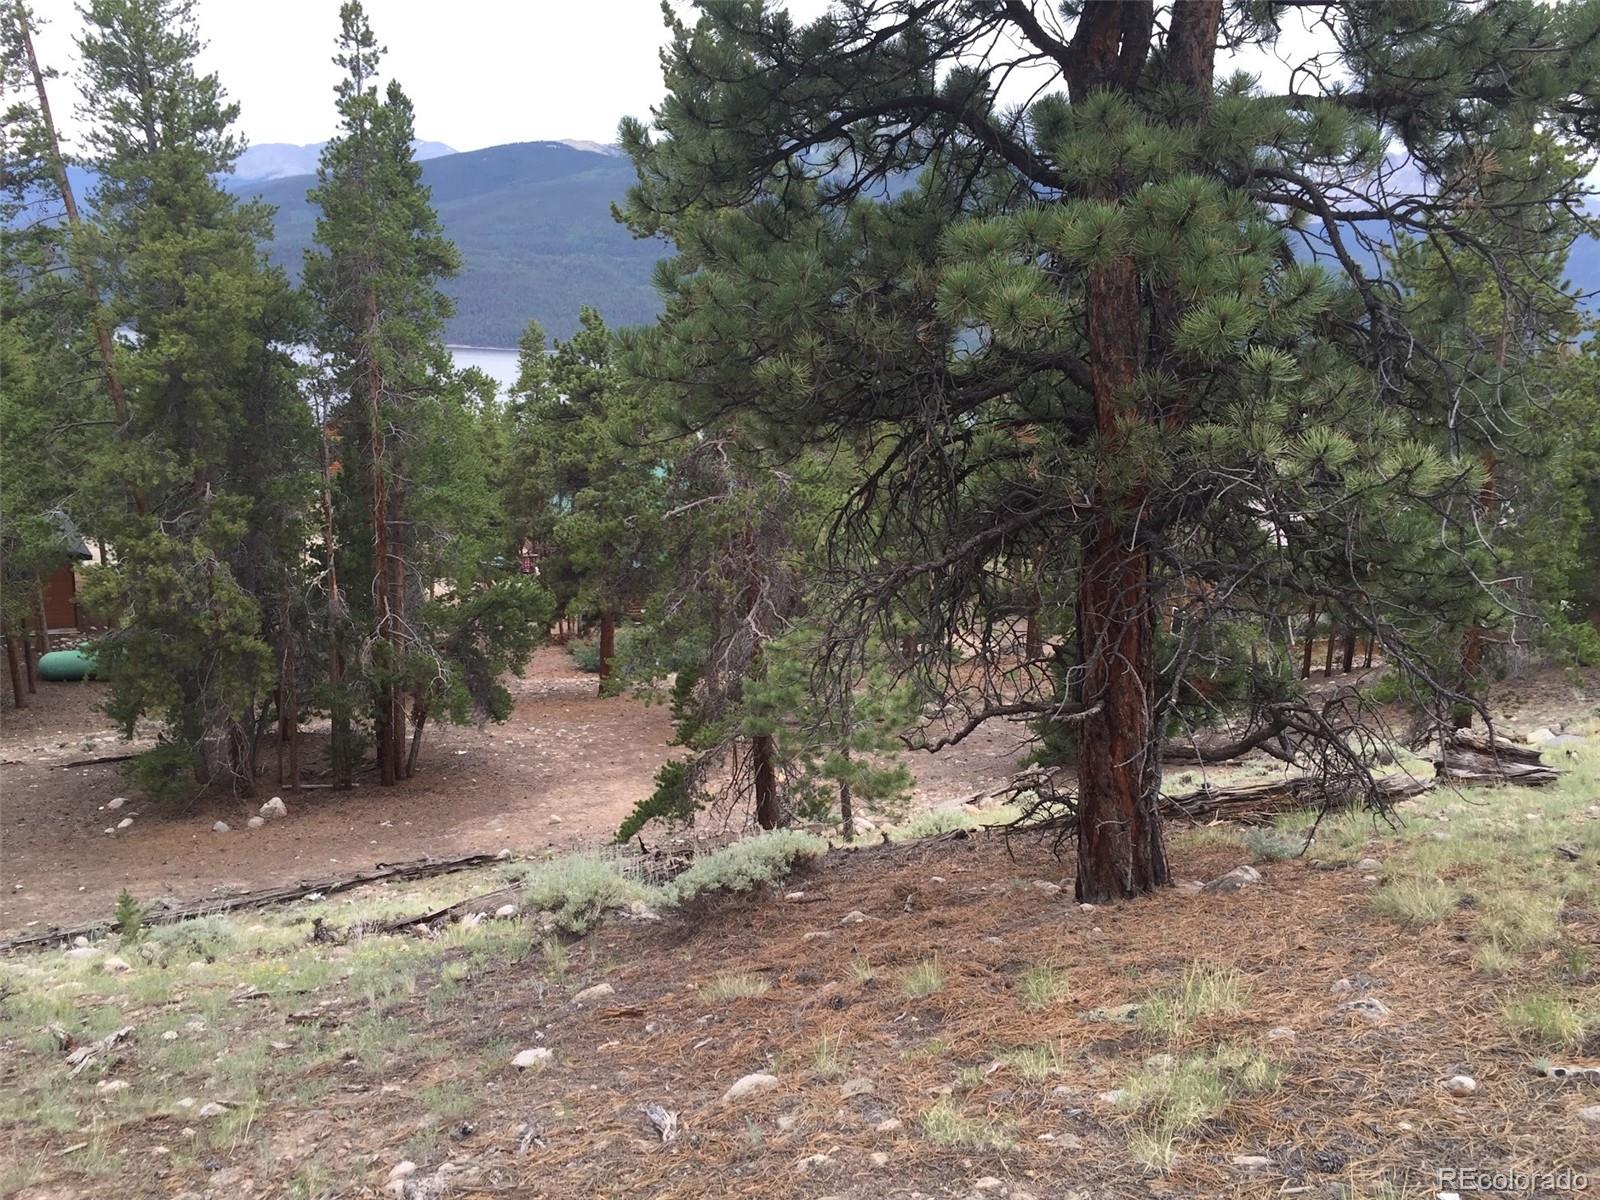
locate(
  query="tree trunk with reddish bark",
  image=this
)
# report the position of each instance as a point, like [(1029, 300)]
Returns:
[(766, 781), (608, 645), (1310, 645), (1121, 850)]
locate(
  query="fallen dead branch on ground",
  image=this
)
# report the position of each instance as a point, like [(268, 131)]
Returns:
[(262, 898)]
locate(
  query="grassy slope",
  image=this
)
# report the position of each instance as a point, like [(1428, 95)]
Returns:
[(1004, 1032)]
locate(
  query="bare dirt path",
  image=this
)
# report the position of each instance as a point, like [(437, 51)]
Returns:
[(563, 770)]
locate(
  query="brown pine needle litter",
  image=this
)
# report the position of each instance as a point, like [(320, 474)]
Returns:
[(1191, 1044)]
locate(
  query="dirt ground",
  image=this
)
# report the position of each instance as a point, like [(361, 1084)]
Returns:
[(862, 1065), (564, 770)]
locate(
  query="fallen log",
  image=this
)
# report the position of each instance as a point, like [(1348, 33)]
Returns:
[(1467, 758), (1246, 803), (451, 913), (264, 898), (1258, 803)]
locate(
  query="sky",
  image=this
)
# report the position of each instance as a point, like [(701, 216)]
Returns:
[(480, 72)]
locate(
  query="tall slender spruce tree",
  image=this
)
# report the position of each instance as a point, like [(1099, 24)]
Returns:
[(1127, 320), (418, 622)]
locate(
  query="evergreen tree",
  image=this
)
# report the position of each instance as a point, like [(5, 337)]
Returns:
[(872, 243), (417, 615), (203, 500), (47, 414), (588, 475)]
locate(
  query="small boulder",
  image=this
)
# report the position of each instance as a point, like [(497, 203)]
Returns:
[(125, 823), (170, 1035), (403, 1169), (1236, 879), (538, 1056), (1461, 1086), (1367, 865), (756, 1081), (116, 966), (110, 1087), (79, 953), (1048, 888), (598, 991), (255, 822), (221, 827), (212, 1109), (506, 910), (860, 1086), (116, 802), (854, 917), (1590, 1114), (274, 808), (1252, 1162)]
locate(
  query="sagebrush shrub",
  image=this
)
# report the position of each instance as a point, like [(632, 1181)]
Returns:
[(760, 861)]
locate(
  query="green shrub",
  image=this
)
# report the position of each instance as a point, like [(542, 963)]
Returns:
[(164, 772), (1266, 844), (204, 939), (936, 821), (578, 888), (760, 861)]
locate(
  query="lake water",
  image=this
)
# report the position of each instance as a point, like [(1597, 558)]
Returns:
[(497, 363)]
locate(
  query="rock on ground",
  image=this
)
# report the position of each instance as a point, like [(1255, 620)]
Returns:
[(538, 1056), (756, 1081), (1240, 877), (598, 992), (275, 808)]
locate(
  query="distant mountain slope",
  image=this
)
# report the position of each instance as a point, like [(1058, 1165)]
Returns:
[(533, 223), (279, 160)]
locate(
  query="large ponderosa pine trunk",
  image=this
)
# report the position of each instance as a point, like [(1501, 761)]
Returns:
[(1121, 851)]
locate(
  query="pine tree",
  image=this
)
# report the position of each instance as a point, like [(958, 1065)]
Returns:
[(48, 416), (202, 502), (588, 475), (873, 244), (418, 615)]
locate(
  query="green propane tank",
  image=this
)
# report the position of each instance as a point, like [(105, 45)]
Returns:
[(62, 665)]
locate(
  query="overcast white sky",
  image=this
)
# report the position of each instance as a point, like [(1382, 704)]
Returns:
[(481, 72)]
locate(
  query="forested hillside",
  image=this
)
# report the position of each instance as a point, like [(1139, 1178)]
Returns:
[(533, 224)]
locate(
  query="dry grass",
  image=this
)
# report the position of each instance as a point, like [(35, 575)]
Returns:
[(995, 1049)]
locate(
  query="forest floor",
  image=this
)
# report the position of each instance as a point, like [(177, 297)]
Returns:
[(934, 1018), (563, 771)]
